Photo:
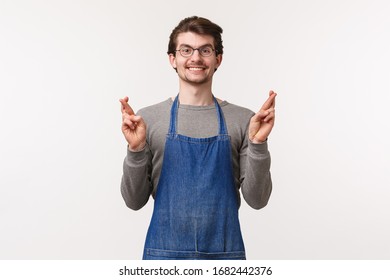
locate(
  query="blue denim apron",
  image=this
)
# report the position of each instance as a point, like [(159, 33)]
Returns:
[(195, 212)]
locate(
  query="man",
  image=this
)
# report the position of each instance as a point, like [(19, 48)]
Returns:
[(193, 153)]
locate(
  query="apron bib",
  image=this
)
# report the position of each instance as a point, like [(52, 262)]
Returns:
[(195, 212)]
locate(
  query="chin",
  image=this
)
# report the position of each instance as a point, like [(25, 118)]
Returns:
[(197, 81)]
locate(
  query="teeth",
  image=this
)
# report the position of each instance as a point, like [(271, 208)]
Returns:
[(195, 68)]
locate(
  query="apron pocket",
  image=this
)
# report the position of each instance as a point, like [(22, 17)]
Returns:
[(193, 255)]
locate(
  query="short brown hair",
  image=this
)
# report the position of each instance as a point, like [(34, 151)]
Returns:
[(197, 25)]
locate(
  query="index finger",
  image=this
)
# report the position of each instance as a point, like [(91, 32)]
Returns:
[(126, 107), (270, 102)]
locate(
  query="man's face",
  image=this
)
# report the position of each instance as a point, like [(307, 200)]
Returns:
[(195, 69)]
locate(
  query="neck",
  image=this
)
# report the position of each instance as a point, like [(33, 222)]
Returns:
[(196, 95)]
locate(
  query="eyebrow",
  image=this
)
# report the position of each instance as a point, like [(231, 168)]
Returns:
[(186, 45)]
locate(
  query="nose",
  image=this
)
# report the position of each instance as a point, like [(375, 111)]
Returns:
[(195, 55)]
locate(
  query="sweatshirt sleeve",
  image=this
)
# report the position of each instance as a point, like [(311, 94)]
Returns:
[(135, 184), (256, 184)]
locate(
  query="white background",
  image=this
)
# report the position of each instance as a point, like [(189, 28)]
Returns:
[(65, 64)]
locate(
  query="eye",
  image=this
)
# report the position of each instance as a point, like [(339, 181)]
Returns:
[(206, 51), (186, 50)]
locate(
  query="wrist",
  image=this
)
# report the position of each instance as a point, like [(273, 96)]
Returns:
[(136, 149), (258, 141)]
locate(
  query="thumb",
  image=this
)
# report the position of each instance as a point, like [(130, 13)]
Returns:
[(137, 119)]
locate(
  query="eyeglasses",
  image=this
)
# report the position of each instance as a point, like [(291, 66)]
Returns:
[(204, 51)]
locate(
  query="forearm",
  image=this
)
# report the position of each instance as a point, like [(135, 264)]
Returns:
[(135, 185), (257, 185)]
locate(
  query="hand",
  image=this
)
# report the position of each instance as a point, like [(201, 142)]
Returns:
[(261, 124), (133, 127)]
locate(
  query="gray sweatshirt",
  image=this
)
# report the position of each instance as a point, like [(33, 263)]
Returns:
[(251, 162)]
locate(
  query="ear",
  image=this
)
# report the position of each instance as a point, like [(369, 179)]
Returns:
[(172, 60), (219, 60)]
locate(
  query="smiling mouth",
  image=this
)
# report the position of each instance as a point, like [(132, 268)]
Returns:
[(196, 68)]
